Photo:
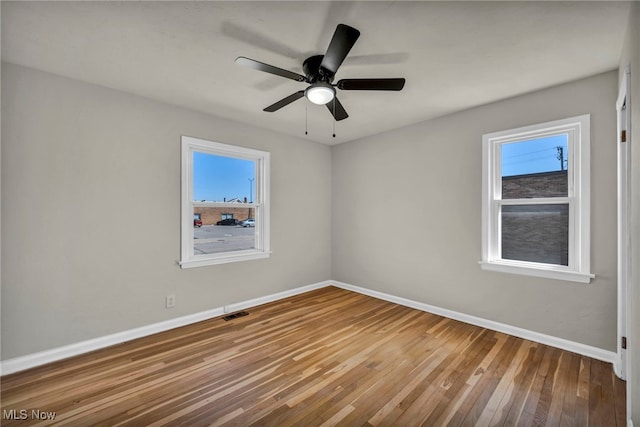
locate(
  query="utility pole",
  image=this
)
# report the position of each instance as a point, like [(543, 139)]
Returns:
[(560, 156)]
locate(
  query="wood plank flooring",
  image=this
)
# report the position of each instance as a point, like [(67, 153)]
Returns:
[(324, 358)]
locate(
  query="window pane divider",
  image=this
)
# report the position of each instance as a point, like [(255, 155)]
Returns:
[(537, 201), (225, 205)]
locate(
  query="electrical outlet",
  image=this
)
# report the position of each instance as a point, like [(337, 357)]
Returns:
[(170, 301)]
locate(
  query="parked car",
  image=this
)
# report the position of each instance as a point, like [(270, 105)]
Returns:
[(228, 221), (197, 222), (249, 222)]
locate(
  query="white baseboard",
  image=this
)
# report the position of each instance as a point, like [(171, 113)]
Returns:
[(585, 350), (21, 363)]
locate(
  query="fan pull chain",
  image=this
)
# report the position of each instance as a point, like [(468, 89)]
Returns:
[(334, 116), (306, 118)]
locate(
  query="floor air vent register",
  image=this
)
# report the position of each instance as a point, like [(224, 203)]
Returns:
[(235, 315)]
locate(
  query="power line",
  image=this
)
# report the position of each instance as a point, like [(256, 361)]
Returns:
[(527, 153)]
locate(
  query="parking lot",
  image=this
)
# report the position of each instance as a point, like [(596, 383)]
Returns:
[(210, 239)]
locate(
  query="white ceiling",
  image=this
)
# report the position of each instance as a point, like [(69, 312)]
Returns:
[(454, 55)]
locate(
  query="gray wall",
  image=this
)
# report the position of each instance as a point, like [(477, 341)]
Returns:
[(407, 216), (631, 57), (91, 213)]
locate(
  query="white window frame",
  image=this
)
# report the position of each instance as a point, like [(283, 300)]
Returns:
[(578, 198), (260, 203)]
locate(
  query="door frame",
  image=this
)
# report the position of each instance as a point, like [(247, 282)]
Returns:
[(623, 109)]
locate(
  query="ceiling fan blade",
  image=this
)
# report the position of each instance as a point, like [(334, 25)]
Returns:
[(337, 110), (260, 66), (371, 84), (284, 102), (343, 40)]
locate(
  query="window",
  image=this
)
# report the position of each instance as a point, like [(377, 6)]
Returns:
[(535, 209), (220, 183)]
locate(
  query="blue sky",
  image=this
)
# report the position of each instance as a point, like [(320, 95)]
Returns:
[(217, 177), (532, 156)]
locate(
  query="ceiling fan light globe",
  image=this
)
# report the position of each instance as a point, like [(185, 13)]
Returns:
[(320, 93)]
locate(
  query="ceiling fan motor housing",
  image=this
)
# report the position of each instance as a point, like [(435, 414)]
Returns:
[(313, 71)]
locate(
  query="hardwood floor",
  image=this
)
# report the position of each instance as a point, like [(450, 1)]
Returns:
[(327, 357)]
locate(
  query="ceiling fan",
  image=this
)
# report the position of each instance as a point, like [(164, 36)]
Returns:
[(319, 73)]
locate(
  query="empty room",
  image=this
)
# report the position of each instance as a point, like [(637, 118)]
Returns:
[(306, 213)]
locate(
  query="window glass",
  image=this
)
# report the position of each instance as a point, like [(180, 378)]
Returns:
[(223, 179), (535, 168), (536, 233), (223, 238), (228, 180)]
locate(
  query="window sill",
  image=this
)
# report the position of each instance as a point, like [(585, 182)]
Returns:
[(547, 273), (224, 258)]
